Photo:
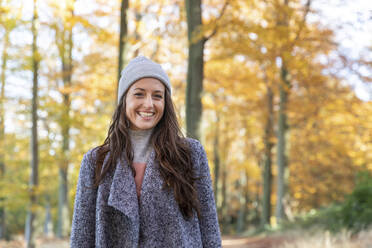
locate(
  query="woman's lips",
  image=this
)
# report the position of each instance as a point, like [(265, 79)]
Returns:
[(146, 115)]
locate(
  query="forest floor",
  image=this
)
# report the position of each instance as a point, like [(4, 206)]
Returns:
[(228, 242), (299, 239), (253, 242)]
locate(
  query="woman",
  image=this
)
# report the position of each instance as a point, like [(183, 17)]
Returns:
[(146, 185)]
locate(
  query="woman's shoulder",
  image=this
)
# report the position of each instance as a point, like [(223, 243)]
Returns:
[(196, 148), (198, 156), (194, 144), (91, 156)]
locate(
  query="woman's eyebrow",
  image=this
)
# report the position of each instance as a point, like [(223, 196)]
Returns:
[(155, 91)]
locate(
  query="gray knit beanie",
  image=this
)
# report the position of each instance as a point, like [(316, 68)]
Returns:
[(141, 67)]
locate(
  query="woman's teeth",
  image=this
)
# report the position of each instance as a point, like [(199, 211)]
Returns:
[(145, 114)]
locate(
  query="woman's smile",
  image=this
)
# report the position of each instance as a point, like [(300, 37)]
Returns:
[(146, 114)]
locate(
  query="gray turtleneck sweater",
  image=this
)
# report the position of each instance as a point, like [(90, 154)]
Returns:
[(142, 148)]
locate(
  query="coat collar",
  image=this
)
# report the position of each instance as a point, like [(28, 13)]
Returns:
[(123, 196)]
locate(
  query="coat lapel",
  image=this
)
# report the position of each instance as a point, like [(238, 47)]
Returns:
[(148, 176), (123, 195)]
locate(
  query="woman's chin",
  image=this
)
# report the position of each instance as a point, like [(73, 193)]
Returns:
[(143, 126)]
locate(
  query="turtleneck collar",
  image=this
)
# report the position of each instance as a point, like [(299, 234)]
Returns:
[(140, 140), (140, 133)]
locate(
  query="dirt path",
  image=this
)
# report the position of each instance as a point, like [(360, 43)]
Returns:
[(252, 242)]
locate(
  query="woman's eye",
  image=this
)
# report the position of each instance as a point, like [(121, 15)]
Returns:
[(138, 94)]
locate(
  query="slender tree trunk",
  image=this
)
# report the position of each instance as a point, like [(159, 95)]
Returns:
[(122, 36), (216, 160), (284, 89), (243, 203), (246, 196), (48, 225), (195, 70), (267, 174), (63, 210), (224, 174), (283, 127), (63, 223), (30, 229), (258, 209), (137, 36), (223, 196), (281, 153), (3, 232)]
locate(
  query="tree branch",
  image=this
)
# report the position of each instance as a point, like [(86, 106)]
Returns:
[(217, 19), (302, 24)]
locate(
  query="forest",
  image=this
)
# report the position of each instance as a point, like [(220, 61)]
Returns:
[(282, 108)]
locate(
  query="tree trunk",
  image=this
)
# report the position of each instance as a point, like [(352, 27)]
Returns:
[(246, 196), (63, 210), (48, 225), (242, 213), (30, 229), (3, 232), (223, 195), (267, 174), (63, 224), (216, 160), (258, 210), (122, 36), (195, 71), (137, 36), (282, 130), (284, 88)]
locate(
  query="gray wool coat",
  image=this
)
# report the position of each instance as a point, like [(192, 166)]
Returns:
[(112, 216)]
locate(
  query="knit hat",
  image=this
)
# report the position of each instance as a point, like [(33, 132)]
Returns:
[(141, 67)]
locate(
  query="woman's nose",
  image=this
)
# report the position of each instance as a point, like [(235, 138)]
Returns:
[(148, 101)]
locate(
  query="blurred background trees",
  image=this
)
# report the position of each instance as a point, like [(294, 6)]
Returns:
[(283, 128)]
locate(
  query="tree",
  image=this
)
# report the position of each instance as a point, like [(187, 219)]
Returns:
[(2, 130), (8, 22), (4, 62), (34, 178), (216, 158), (195, 72), (284, 90), (195, 64), (122, 37), (269, 144), (63, 27)]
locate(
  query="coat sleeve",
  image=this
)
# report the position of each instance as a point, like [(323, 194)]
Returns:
[(209, 228), (83, 222)]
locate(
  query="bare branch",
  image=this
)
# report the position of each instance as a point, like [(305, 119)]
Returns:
[(217, 19), (302, 24)]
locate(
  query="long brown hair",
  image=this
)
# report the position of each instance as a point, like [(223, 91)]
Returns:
[(172, 152)]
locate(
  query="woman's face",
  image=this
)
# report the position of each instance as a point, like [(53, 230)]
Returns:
[(145, 103)]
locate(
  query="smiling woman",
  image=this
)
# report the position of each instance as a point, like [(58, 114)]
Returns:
[(146, 185)]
